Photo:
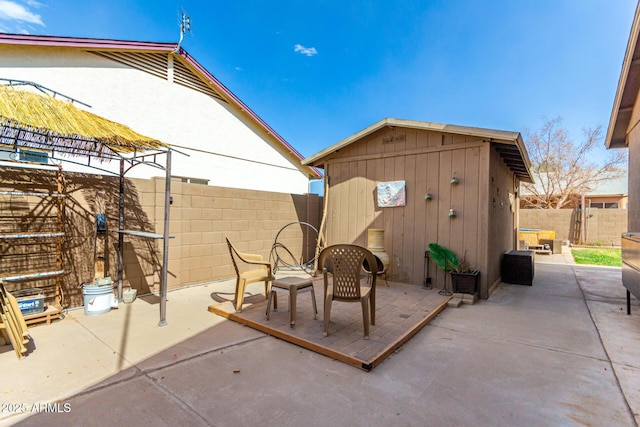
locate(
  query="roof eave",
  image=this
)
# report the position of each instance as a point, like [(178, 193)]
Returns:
[(85, 43), (317, 158), (627, 89)]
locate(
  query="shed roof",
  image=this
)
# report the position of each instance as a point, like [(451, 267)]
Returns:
[(509, 144), (181, 55), (627, 92)]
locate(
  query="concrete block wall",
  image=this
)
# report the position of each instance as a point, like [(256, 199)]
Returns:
[(202, 216), (606, 226), (602, 225)]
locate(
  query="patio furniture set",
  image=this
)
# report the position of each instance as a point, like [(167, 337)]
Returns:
[(342, 266)]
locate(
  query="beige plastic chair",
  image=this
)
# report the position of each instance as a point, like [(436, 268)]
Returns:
[(344, 283), (250, 268)]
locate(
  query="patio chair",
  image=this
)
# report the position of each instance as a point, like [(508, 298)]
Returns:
[(259, 271), (13, 327), (344, 283)]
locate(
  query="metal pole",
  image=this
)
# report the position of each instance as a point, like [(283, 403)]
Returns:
[(583, 222), (120, 228), (165, 250)]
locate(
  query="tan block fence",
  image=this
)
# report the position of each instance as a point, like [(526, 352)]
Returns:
[(603, 226)]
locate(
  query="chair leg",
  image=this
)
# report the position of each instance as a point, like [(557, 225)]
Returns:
[(313, 300), (327, 314), (266, 289), (372, 304), (272, 295), (240, 295), (365, 316), (293, 300)]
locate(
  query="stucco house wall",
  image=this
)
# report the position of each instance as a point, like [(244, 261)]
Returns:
[(167, 96)]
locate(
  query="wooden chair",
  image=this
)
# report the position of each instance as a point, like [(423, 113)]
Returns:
[(250, 268), (344, 283), (12, 324)]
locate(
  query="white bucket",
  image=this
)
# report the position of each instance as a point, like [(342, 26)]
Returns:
[(97, 299)]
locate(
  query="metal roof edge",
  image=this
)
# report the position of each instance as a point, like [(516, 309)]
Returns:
[(83, 42)]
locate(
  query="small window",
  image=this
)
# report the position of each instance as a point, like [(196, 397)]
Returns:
[(6, 154), (189, 180), (612, 205), (34, 156), (597, 205)]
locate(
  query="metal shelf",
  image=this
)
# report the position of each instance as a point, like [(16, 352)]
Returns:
[(31, 276), (30, 235), (145, 234), (23, 193), (48, 228)]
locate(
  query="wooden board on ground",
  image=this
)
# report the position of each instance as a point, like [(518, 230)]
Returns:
[(401, 311), (51, 313)]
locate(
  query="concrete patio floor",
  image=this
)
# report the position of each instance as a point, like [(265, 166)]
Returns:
[(561, 352)]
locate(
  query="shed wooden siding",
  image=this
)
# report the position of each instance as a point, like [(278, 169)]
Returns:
[(426, 160), (502, 223)]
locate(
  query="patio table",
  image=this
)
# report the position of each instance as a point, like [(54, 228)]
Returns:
[(293, 285)]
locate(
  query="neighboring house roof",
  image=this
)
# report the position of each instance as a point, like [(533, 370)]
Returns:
[(509, 144), (612, 187), (627, 92), (618, 186), (184, 68)]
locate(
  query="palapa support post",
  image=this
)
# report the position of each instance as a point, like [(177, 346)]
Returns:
[(100, 254), (59, 297), (165, 249), (121, 227)]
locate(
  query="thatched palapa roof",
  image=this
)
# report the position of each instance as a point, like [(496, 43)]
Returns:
[(29, 119)]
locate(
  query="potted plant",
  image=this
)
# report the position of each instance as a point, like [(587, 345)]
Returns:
[(464, 278)]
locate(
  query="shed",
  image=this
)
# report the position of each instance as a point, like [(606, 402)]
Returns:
[(461, 191)]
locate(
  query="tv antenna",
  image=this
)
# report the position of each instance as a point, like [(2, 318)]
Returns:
[(185, 25)]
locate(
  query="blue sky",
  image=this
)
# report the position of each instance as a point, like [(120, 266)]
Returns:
[(319, 71)]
